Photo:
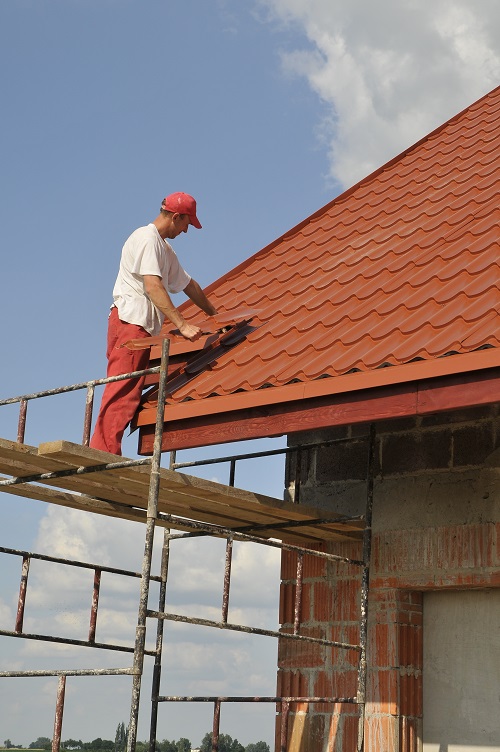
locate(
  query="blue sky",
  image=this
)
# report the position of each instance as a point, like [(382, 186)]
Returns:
[(264, 110)]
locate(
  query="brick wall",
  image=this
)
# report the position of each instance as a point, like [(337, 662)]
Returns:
[(436, 524)]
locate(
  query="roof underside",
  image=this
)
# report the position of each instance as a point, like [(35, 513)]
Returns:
[(401, 270)]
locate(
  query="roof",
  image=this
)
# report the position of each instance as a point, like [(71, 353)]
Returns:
[(394, 281)]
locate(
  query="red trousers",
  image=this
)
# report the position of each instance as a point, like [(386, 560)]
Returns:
[(120, 399)]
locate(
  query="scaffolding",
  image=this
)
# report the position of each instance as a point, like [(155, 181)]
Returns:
[(168, 499)]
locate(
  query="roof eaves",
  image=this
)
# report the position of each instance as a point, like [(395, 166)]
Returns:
[(354, 382)]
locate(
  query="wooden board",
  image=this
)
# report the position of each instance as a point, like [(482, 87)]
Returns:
[(75, 501), (121, 489)]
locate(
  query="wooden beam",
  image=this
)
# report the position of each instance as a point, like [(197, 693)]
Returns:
[(75, 501), (123, 492), (277, 420), (409, 373), (400, 400)]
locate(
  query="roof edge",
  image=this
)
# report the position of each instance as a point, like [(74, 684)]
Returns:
[(411, 399), (363, 380)]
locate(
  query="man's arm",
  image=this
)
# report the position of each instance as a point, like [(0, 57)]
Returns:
[(196, 294), (159, 296)]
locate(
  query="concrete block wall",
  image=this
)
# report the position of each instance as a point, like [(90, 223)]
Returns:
[(436, 524)]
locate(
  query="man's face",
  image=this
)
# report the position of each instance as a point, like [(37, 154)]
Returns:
[(180, 223)]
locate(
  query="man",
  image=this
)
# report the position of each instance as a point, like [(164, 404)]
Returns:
[(149, 272)]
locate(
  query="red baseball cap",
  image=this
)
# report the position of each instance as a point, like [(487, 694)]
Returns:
[(182, 203)]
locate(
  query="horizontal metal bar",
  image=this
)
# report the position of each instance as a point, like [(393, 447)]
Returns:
[(224, 532), (294, 524), (71, 672), (69, 641), (173, 698), (300, 523), (263, 453), (81, 385), (74, 563), (251, 630)]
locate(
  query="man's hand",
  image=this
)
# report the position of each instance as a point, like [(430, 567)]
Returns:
[(189, 331)]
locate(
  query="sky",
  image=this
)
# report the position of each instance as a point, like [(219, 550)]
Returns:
[(264, 110)]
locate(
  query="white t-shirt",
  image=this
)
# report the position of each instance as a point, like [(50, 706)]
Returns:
[(145, 252)]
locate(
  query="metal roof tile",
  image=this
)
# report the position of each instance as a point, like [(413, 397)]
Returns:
[(405, 265)]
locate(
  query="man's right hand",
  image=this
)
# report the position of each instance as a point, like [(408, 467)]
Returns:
[(189, 331)]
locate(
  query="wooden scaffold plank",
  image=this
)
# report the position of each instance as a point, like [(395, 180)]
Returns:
[(113, 491)]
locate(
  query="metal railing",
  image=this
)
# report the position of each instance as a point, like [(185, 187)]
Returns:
[(249, 533)]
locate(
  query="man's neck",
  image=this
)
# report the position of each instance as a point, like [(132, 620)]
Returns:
[(162, 224)]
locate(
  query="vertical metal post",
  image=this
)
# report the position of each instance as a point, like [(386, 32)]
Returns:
[(365, 582), (160, 627), (87, 421), (298, 473), (232, 472), (21, 425), (285, 709), (227, 579), (61, 691), (154, 487), (22, 594), (216, 727), (298, 594), (95, 604), (155, 686)]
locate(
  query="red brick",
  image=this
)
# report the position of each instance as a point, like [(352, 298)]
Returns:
[(306, 732), (385, 583), (347, 600), (323, 597), (298, 654), (410, 641), (312, 566), (288, 593), (292, 684), (344, 682), (343, 732), (383, 597), (288, 565), (382, 691), (410, 695), (324, 687), (410, 734), (382, 646), (381, 733), (347, 633), (315, 566), (335, 732), (333, 684), (287, 603), (305, 614)]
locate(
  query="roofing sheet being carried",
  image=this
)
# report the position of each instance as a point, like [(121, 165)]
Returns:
[(403, 267)]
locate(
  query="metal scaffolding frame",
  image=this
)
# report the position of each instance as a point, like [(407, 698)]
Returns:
[(155, 518)]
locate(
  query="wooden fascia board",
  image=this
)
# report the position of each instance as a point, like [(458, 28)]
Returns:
[(384, 403), (327, 387)]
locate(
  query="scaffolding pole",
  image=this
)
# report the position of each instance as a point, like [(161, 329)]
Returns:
[(152, 513)]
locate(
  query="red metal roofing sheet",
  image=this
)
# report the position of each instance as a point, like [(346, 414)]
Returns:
[(404, 266)]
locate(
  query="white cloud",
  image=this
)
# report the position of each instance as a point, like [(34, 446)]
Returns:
[(77, 535), (388, 72), (59, 596)]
